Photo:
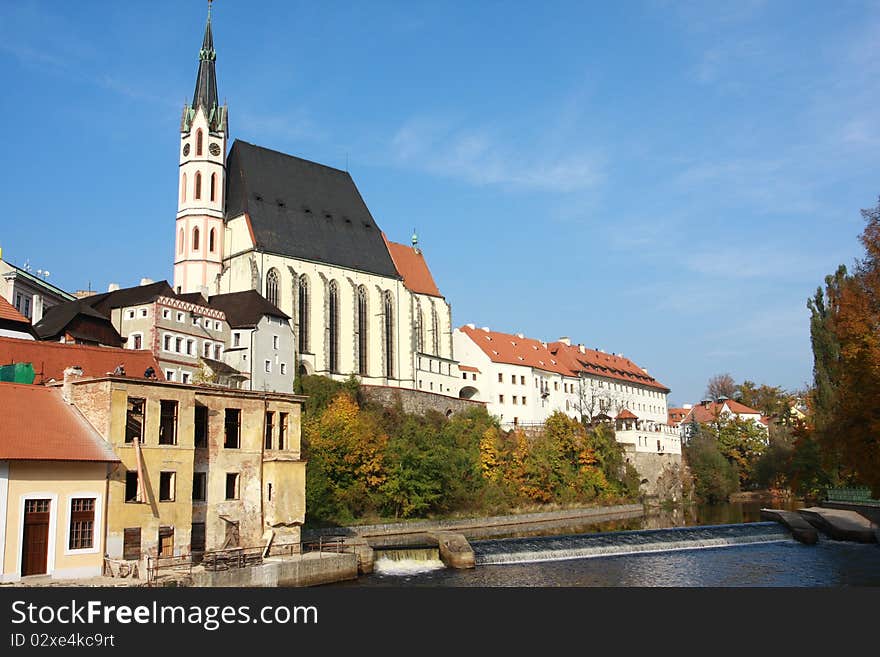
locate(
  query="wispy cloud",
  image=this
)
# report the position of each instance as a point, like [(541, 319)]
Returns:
[(480, 156)]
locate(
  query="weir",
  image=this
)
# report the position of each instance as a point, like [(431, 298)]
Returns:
[(407, 560), (557, 548)]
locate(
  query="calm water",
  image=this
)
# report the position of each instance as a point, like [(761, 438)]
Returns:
[(688, 555)]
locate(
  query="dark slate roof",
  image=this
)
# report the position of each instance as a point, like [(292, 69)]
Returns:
[(304, 210), (193, 297), (129, 296), (245, 309), (205, 94), (56, 318)]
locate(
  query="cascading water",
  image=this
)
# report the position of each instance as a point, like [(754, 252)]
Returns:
[(557, 548), (406, 561)]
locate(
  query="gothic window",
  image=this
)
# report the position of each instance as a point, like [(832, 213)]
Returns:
[(183, 189), (197, 192), (199, 142), (435, 331), (388, 308), (211, 236), (180, 241), (333, 363), (213, 186), (272, 286), (420, 328), (196, 238), (362, 329), (303, 314)]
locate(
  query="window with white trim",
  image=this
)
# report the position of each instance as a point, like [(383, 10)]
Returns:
[(82, 523)]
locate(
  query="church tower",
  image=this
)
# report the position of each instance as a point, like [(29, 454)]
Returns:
[(198, 244)]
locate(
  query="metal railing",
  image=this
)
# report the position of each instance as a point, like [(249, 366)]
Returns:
[(855, 494), (239, 557)]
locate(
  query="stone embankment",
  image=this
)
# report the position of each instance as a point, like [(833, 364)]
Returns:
[(838, 524)]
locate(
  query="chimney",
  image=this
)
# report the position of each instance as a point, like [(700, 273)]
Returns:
[(687, 406), (520, 336), (582, 348), (565, 340), (472, 327), (705, 402), (113, 287), (486, 329), (70, 374), (145, 281)]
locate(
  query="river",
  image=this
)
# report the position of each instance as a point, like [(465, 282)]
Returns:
[(705, 546)]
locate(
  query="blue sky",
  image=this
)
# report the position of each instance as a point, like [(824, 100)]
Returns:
[(666, 180)]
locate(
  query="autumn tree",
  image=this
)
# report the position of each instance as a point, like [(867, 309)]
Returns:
[(720, 385)]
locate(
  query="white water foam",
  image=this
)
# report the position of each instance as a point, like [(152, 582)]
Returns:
[(614, 550), (385, 566)]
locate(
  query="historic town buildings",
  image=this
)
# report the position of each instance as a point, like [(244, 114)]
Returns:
[(300, 234)]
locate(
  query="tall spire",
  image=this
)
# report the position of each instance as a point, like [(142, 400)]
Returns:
[(205, 95)]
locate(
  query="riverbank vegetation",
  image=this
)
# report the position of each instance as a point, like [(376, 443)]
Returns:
[(368, 463), (826, 435)]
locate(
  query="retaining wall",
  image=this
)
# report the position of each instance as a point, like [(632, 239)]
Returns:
[(417, 401), (308, 570)]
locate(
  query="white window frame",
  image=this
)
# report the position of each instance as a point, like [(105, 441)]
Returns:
[(132, 336), (131, 314), (166, 313), (144, 312), (96, 534), (165, 338), (275, 342), (283, 369), (181, 317), (267, 365), (170, 374), (53, 527)]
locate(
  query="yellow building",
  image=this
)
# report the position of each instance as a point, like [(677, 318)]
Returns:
[(54, 468), (202, 467)]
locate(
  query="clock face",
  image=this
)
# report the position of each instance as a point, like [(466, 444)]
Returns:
[(185, 150), (214, 149)]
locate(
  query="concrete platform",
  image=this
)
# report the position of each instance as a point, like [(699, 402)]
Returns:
[(796, 524), (841, 525), (455, 551)]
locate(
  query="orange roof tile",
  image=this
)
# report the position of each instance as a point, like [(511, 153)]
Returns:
[(37, 425), (710, 412), (514, 350), (599, 363), (50, 359), (627, 414), (468, 368), (8, 311), (411, 265)]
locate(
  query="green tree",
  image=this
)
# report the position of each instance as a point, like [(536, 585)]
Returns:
[(715, 478)]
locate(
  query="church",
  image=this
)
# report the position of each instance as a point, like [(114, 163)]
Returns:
[(300, 234)]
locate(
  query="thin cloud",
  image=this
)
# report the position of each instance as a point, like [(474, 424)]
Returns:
[(479, 157)]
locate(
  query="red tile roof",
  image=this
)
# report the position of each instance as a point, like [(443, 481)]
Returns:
[(37, 425), (676, 415), (514, 350), (8, 312), (558, 357), (468, 368), (50, 359), (599, 363), (710, 412), (411, 265), (626, 414)]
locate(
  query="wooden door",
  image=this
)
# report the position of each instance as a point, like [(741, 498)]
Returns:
[(166, 541), (35, 542)]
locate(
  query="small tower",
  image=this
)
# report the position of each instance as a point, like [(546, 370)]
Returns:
[(198, 235)]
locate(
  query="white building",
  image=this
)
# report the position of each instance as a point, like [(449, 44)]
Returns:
[(300, 234), (709, 412), (29, 292), (261, 341), (525, 380)]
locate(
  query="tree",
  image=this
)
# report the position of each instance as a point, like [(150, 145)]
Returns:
[(772, 401), (720, 385), (845, 336), (715, 478)]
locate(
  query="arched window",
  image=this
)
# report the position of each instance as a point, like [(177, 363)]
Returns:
[(213, 186), (333, 303), (199, 141), (272, 286), (183, 189), (303, 314), (435, 331), (420, 328), (211, 236), (196, 238), (180, 241), (362, 329), (388, 312), (197, 192)]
